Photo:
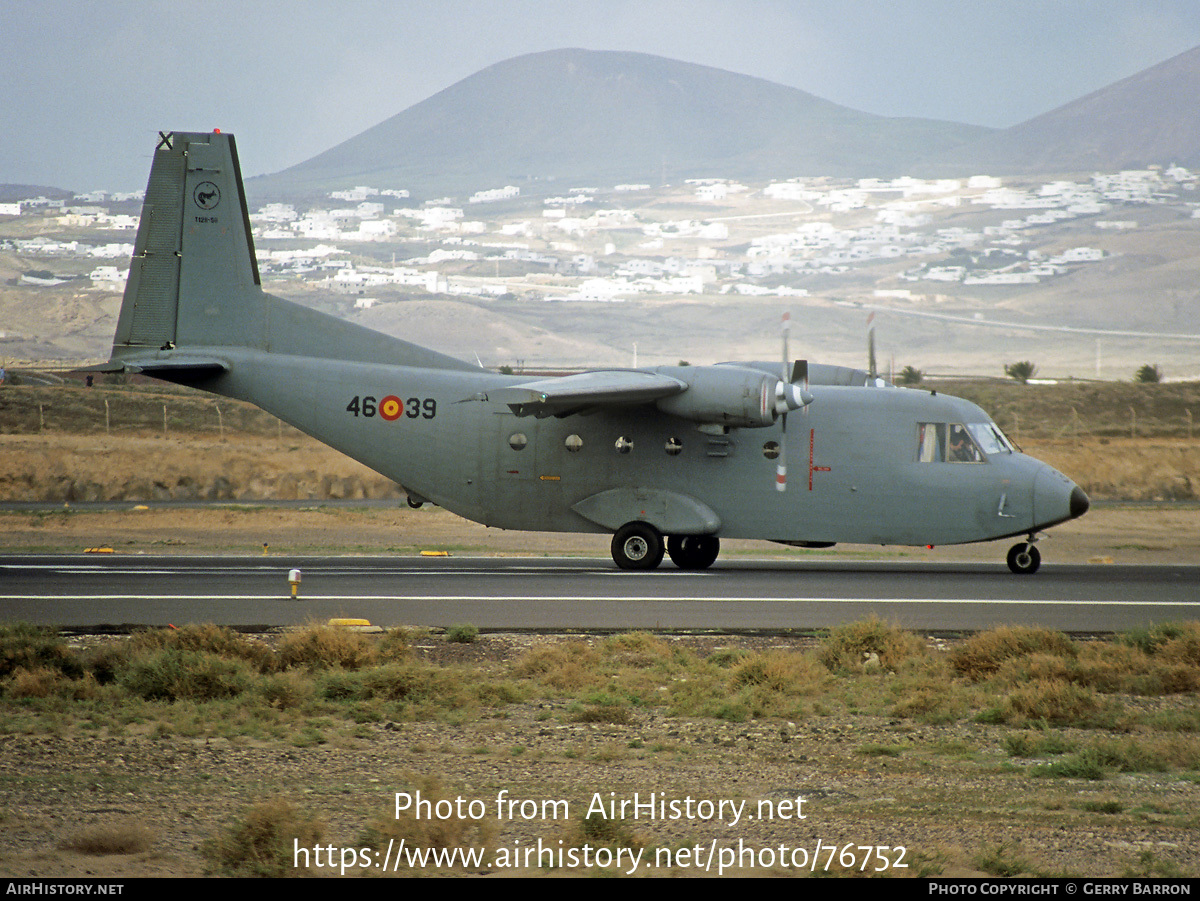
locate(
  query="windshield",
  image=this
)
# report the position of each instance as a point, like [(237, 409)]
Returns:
[(954, 442), (989, 438)]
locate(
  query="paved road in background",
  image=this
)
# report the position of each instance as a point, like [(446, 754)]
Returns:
[(555, 594)]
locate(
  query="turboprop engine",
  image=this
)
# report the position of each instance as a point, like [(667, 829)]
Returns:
[(731, 396)]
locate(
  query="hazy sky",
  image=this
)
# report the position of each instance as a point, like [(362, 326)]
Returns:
[(84, 86)]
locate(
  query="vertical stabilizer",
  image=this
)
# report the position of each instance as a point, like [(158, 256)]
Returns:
[(194, 282), (194, 277)]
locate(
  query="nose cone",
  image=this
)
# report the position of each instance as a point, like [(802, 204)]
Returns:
[(1057, 499), (1079, 503)]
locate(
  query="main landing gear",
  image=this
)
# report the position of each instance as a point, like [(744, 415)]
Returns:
[(1024, 559), (640, 546)]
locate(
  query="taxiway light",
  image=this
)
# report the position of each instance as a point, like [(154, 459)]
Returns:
[(294, 581)]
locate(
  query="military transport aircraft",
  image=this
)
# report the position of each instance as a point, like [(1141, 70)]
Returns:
[(668, 458)]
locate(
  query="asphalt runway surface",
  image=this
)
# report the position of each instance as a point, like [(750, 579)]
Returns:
[(587, 594)]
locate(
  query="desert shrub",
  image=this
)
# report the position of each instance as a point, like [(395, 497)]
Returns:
[(220, 641), (857, 646), (1002, 860), (1057, 703), (260, 843), (982, 655), (321, 647), (1085, 764), (727, 657), (395, 644), (1037, 744), (1151, 639), (462, 633), (597, 829), (931, 704), (1147, 755), (30, 647), (640, 650), (396, 826), (787, 672), (45, 682), (1183, 648), (172, 674), (110, 838), (566, 666), (286, 690)]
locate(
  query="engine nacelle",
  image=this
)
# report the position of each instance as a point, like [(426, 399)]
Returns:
[(722, 395)]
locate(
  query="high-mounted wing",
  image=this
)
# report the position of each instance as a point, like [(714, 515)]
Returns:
[(724, 396), (570, 394)]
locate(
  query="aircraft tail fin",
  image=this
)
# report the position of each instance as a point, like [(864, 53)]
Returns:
[(194, 276), (194, 279)]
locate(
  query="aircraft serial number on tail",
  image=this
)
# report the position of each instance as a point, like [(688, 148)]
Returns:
[(392, 408)]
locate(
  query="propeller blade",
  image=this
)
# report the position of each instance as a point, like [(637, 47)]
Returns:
[(783, 398), (781, 466)]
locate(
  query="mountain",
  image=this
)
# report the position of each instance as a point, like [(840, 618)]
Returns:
[(578, 116), (1150, 117)]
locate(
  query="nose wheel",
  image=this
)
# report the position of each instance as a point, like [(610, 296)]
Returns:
[(1024, 559)]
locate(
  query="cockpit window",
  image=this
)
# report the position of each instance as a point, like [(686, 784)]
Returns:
[(962, 448), (989, 438), (941, 442)]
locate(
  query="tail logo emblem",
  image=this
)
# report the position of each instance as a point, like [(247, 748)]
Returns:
[(207, 195)]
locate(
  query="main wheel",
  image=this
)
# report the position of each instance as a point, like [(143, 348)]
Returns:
[(693, 551), (637, 545), (1024, 559)]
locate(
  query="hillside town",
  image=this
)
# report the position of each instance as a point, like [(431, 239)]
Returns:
[(903, 243)]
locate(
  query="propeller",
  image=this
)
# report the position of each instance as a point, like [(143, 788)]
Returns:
[(788, 396)]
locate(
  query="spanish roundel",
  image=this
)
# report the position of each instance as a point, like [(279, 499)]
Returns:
[(391, 408)]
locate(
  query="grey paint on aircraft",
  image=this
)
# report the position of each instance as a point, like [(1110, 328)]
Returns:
[(672, 451)]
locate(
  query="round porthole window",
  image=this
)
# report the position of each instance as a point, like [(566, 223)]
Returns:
[(674, 446), (573, 444), (624, 445), (518, 441), (771, 450)]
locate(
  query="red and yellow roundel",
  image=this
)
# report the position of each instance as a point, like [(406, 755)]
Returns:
[(391, 408)]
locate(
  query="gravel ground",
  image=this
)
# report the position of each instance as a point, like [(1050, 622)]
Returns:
[(949, 796)]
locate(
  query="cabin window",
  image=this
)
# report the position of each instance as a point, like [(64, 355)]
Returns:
[(573, 444), (624, 445), (771, 450), (518, 441), (674, 447), (931, 442)]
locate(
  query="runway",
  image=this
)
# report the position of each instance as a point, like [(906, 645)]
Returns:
[(570, 593)]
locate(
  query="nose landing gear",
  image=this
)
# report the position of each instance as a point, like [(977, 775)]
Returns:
[(1024, 559)]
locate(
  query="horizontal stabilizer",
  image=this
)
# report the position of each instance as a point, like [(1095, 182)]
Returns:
[(178, 367)]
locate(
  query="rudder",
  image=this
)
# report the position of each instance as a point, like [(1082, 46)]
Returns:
[(194, 275)]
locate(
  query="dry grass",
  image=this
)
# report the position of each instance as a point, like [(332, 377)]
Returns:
[(425, 831), (260, 842), (110, 838), (870, 646)]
